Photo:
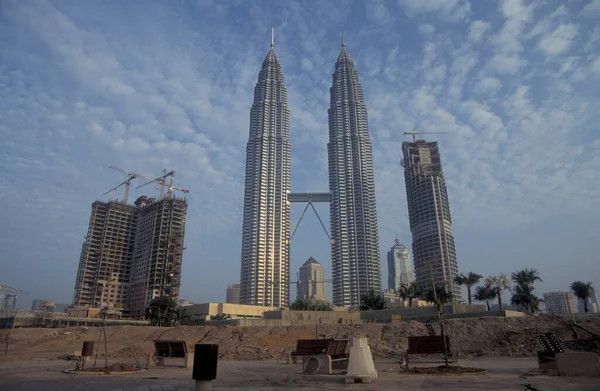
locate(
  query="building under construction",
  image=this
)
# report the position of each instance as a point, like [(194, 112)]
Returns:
[(132, 254)]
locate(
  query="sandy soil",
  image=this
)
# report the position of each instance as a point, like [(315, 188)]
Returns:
[(472, 337)]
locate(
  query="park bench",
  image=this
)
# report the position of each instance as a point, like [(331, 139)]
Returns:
[(551, 346), (321, 355), (430, 344), (165, 351)]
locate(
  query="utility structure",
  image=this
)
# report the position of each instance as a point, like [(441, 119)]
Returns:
[(6, 288), (9, 302)]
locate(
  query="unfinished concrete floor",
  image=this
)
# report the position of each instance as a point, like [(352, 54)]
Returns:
[(503, 374)]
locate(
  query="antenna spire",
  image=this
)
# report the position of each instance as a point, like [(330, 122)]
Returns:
[(343, 42), (272, 36)]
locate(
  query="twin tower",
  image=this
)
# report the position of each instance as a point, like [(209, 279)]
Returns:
[(265, 264)]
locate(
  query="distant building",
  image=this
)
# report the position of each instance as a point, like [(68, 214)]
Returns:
[(61, 307), (131, 255), (8, 302), (399, 266), (43, 305), (593, 305), (311, 281), (560, 302), (232, 295)]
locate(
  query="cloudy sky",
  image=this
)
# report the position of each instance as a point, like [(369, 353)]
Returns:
[(147, 85)]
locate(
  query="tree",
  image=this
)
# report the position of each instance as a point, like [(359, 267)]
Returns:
[(499, 283), (104, 314), (311, 305), (444, 296), (178, 316), (409, 292), (220, 317), (485, 293), (372, 300), (523, 293), (468, 280), (159, 312), (583, 291)]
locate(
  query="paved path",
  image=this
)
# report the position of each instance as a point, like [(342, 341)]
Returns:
[(503, 374)]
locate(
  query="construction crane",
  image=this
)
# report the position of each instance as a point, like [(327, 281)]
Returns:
[(414, 134), (130, 177), (161, 180), (11, 290)]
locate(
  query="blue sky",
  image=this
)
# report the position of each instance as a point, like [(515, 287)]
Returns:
[(147, 85)]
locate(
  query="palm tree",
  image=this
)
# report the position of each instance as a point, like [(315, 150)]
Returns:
[(160, 310), (444, 296), (409, 291), (178, 316), (485, 293), (523, 296), (499, 283), (372, 300), (468, 280), (583, 291)]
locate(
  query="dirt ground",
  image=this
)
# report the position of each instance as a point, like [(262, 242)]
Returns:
[(472, 337)]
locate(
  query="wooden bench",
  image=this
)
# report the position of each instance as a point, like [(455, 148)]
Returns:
[(310, 347), (165, 350), (321, 355), (427, 345)]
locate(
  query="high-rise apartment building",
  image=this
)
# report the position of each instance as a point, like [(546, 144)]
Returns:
[(264, 276), (158, 253), (132, 254), (560, 302), (353, 212), (311, 281), (106, 256), (8, 301), (399, 266), (429, 214), (232, 295)]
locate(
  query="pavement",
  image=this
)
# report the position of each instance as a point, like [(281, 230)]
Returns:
[(505, 373)]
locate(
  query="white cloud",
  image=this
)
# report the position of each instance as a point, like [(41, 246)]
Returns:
[(558, 41), (478, 29), (591, 8), (488, 85), (453, 10)]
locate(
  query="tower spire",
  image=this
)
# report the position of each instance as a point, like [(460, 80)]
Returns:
[(343, 42), (272, 36)]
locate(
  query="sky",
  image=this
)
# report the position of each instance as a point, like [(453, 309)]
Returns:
[(147, 85)]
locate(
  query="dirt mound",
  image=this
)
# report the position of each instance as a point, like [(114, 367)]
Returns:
[(446, 370), (477, 337)]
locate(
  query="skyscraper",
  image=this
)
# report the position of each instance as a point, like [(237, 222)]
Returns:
[(264, 277), (232, 294), (353, 213), (399, 266), (429, 214), (311, 281), (560, 303)]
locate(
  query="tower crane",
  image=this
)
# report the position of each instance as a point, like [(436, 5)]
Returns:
[(161, 180), (11, 290), (414, 134), (130, 177)]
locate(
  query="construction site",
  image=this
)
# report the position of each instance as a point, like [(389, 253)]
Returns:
[(132, 253)]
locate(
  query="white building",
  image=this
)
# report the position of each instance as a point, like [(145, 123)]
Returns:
[(399, 266), (560, 303)]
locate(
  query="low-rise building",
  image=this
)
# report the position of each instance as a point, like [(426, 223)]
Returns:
[(207, 311), (560, 303)]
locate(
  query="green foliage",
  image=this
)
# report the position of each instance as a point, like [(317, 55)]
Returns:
[(444, 296), (523, 295), (583, 291), (161, 310), (485, 293), (311, 305), (220, 317), (468, 280), (409, 292), (372, 300), (499, 283)]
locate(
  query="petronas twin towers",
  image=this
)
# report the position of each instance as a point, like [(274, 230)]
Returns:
[(264, 278)]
